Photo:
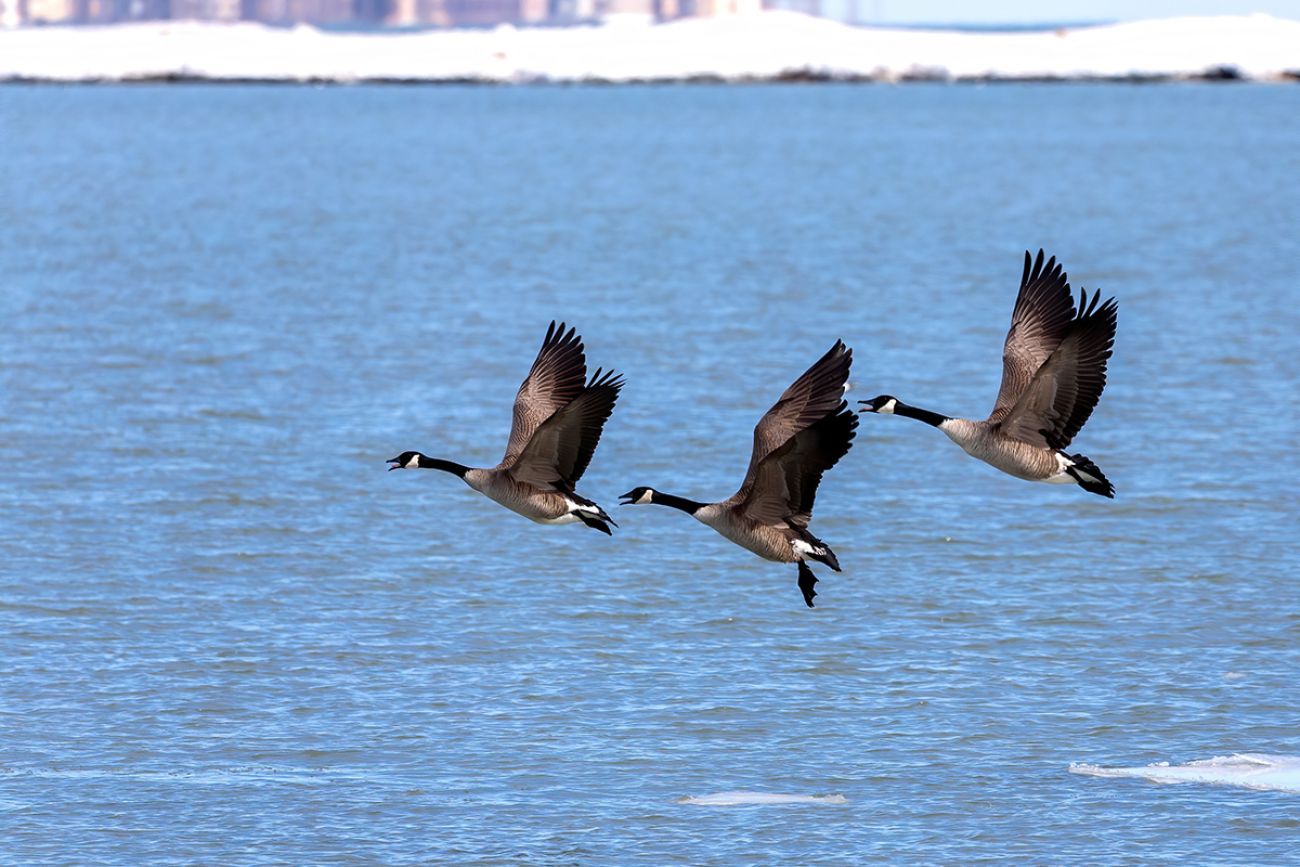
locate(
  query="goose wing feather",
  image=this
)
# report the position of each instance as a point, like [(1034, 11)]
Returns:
[(556, 378), (561, 448), (810, 398), (785, 483), (1063, 393), (1039, 322)]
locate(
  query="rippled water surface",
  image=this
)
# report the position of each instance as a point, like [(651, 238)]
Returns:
[(227, 635)]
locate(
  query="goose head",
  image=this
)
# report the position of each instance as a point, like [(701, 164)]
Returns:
[(883, 404), (406, 461), (638, 496)]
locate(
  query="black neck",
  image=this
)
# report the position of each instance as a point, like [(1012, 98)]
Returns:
[(931, 418), (690, 507), (446, 466)]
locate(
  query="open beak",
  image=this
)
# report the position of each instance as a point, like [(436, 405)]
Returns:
[(867, 406), (396, 464), (630, 499)]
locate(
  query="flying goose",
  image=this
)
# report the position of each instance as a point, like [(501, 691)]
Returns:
[(1053, 372), (798, 439), (558, 417)]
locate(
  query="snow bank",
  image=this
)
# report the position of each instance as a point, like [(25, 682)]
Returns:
[(1247, 770), (763, 46)]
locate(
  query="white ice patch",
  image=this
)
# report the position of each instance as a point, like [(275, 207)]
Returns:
[(751, 799), (1247, 770)]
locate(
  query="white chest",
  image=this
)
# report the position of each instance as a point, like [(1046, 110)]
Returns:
[(963, 432)]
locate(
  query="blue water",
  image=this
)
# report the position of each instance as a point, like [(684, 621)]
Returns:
[(227, 635)]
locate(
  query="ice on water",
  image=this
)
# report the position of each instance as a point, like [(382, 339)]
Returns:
[(1247, 770)]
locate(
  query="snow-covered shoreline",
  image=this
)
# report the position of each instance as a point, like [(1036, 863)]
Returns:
[(769, 46)]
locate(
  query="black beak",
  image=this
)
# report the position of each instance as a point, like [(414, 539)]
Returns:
[(396, 464), (868, 407), (630, 499)]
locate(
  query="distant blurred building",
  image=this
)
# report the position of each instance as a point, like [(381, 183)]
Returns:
[(400, 13), (625, 7), (206, 10), (490, 12), (282, 11), (47, 11), (565, 11), (711, 8), (807, 7)]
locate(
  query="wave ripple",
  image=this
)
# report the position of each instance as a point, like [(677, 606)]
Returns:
[(749, 799)]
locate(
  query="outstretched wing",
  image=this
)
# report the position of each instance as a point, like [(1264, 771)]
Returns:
[(1042, 315), (785, 483), (562, 446), (556, 378), (810, 398), (1065, 390)]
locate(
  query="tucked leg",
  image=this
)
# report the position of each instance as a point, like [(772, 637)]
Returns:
[(806, 581)]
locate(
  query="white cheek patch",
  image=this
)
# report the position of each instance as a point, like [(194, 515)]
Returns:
[(644, 498), (412, 464), (887, 408)]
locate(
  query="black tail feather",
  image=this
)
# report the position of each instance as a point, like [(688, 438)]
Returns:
[(821, 552), (595, 522), (829, 559), (806, 581), (583, 501), (1090, 477)]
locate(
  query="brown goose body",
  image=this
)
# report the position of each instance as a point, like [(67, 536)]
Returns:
[(804, 434), (558, 418), (981, 439), (1053, 372), (536, 503), (769, 541)]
